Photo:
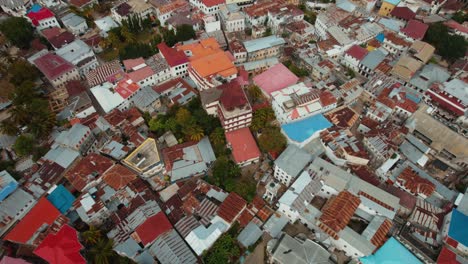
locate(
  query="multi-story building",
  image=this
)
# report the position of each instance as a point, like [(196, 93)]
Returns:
[(79, 54), (394, 44), (234, 109), (208, 7), (262, 48), (168, 8), (290, 164), (131, 8), (353, 56), (78, 137), (16, 8), (176, 59), (450, 96), (278, 17), (232, 19), (42, 17), (74, 23), (58, 72), (387, 7), (300, 101), (209, 65)]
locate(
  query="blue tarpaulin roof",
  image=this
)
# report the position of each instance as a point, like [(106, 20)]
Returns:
[(61, 198), (301, 130), (392, 252), (380, 37), (457, 229), (35, 8)]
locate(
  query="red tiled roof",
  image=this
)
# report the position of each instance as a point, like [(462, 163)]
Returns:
[(115, 118), (344, 117), (231, 207), (338, 212), (172, 55), (403, 12), (210, 3), (265, 213), (62, 39), (233, 96), (174, 153), (446, 256), (415, 29), (51, 32), (153, 227), (43, 13), (245, 218), (243, 145), (131, 63), (61, 248), (357, 52), (457, 26), (53, 66), (327, 98), (75, 88), (82, 173), (42, 213), (380, 236), (414, 183), (118, 176), (126, 88), (392, 37), (141, 74)]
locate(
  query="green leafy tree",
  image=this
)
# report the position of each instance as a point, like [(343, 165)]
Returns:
[(103, 252), (272, 140), (136, 50), (184, 117), (450, 47), (30, 110), (223, 169), (460, 16), (127, 35), (222, 251), (18, 31), (24, 145), (21, 71), (169, 37), (185, 32)]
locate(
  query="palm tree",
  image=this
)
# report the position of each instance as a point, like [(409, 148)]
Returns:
[(91, 236), (194, 133), (103, 251), (8, 127), (255, 93), (217, 137)]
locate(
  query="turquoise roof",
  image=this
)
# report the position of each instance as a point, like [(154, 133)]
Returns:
[(61, 198), (392, 252), (303, 129), (393, 2), (457, 229)]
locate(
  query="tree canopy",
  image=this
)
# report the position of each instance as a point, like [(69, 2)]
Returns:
[(29, 110), (272, 140), (450, 47), (184, 32), (18, 31), (24, 145), (136, 50), (21, 71), (223, 250)]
